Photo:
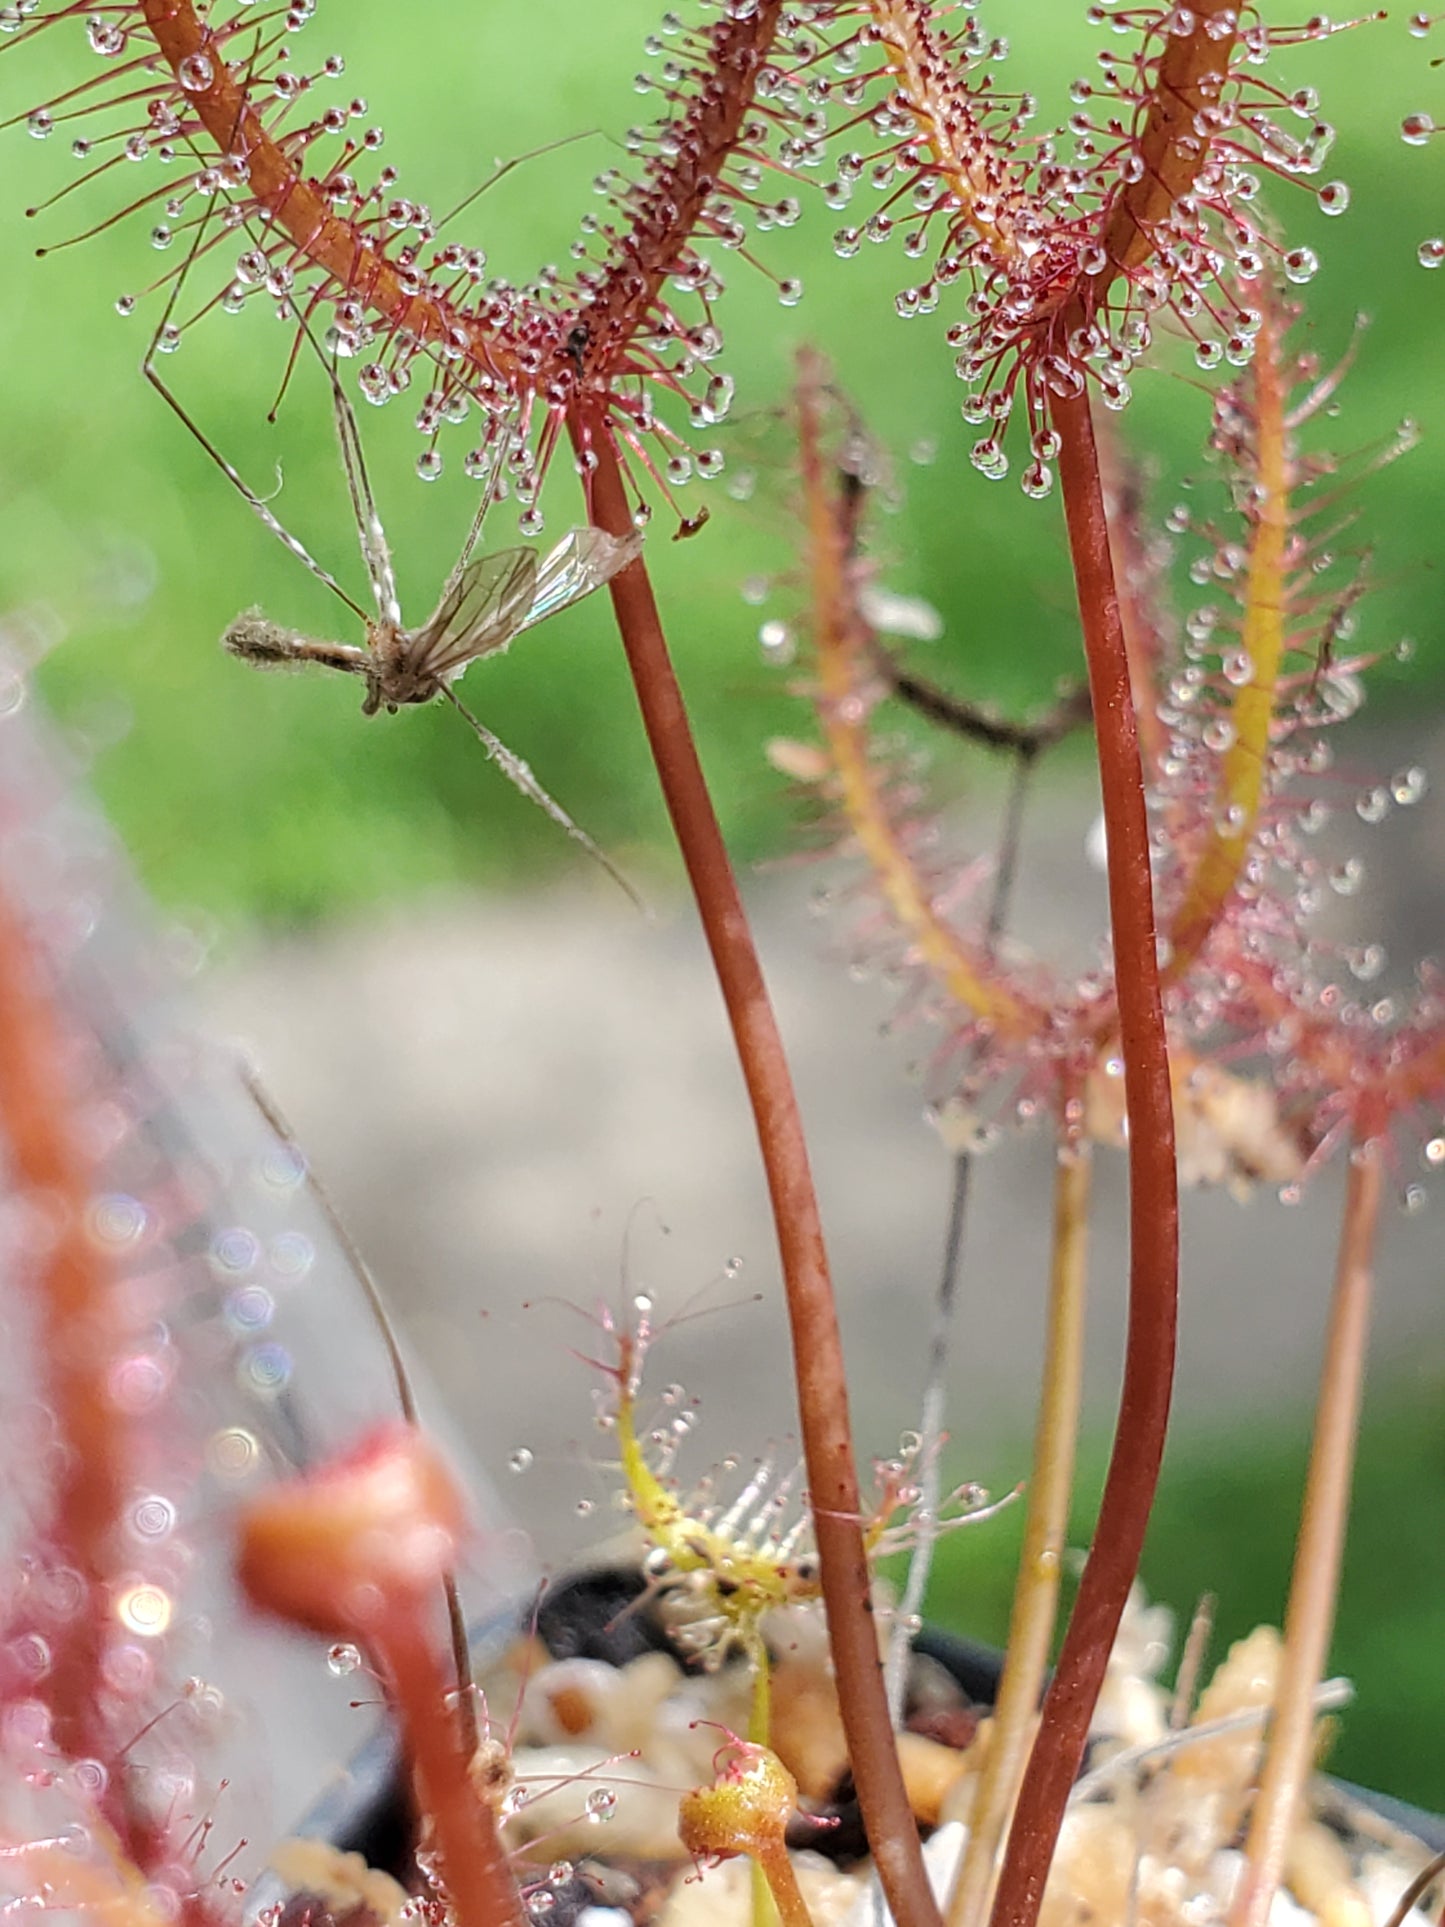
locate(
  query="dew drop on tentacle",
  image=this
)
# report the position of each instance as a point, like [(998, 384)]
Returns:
[(1408, 786), (1372, 805), (90, 1779), (1365, 961), (145, 1608), (600, 1804), (116, 1221), (105, 38), (1301, 265), (152, 1518), (777, 642), (1037, 480), (990, 458)]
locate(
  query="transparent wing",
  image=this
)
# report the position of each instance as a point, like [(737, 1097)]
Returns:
[(479, 613), (582, 561), (499, 595)]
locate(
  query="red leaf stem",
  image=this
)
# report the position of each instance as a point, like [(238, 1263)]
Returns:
[(78, 1339), (817, 1346), (1153, 1200)]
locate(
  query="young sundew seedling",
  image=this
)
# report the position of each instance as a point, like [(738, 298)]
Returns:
[(726, 1556)]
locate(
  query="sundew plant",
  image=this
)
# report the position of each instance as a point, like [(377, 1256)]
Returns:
[(1214, 1036)]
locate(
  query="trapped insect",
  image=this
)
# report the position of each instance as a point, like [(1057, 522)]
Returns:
[(486, 601)]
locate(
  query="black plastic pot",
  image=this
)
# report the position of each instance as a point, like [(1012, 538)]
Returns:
[(595, 1615)]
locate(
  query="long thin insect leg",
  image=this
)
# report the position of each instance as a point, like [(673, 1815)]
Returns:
[(258, 507), (374, 548), (405, 1396), (375, 552), (520, 775), (475, 531)]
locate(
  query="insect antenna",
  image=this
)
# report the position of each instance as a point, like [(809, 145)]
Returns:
[(258, 505), (519, 774), (503, 168), (401, 1378)]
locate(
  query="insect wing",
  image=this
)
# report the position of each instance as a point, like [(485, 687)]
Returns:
[(480, 613), (582, 561)]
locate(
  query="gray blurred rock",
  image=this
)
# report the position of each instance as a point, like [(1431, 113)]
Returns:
[(509, 1098)]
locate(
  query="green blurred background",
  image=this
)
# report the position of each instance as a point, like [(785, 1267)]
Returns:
[(270, 797), (266, 800)]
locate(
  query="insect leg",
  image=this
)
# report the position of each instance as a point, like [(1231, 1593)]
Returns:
[(259, 507), (474, 533), (375, 551), (519, 774)]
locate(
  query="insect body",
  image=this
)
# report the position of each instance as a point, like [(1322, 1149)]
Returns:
[(487, 602)]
